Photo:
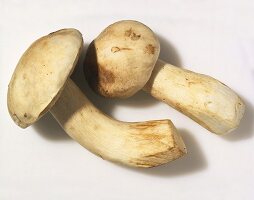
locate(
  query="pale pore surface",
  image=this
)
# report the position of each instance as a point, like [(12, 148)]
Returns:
[(203, 98), (126, 52), (41, 74)]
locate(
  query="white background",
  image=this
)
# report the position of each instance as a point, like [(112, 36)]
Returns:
[(214, 37)]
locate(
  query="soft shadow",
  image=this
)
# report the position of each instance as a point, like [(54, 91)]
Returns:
[(246, 128), (78, 74), (48, 128), (194, 161), (168, 53)]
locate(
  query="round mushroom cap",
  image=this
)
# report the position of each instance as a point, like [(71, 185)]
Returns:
[(41, 74), (120, 60)]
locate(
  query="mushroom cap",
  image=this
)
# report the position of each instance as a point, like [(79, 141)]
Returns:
[(41, 74), (120, 60)]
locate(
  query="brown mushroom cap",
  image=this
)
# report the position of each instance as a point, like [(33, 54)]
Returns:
[(41, 73), (120, 60)]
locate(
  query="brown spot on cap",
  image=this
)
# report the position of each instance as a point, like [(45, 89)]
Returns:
[(115, 49), (128, 32), (149, 49), (105, 76), (131, 34), (134, 36)]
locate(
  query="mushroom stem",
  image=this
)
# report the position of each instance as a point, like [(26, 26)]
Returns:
[(139, 144), (203, 98)]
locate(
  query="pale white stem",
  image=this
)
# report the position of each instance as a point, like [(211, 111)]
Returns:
[(203, 98), (139, 144)]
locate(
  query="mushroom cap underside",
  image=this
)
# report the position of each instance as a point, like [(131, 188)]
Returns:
[(41, 74)]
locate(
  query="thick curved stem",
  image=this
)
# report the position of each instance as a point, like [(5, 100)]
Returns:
[(141, 144), (203, 98)]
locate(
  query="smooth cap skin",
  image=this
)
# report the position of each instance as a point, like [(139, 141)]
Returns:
[(120, 60), (41, 74)]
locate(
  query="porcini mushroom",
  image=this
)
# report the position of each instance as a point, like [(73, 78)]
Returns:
[(203, 98), (126, 53), (41, 83)]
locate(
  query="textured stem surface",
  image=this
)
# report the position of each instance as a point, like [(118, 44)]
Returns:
[(141, 144), (203, 98)]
